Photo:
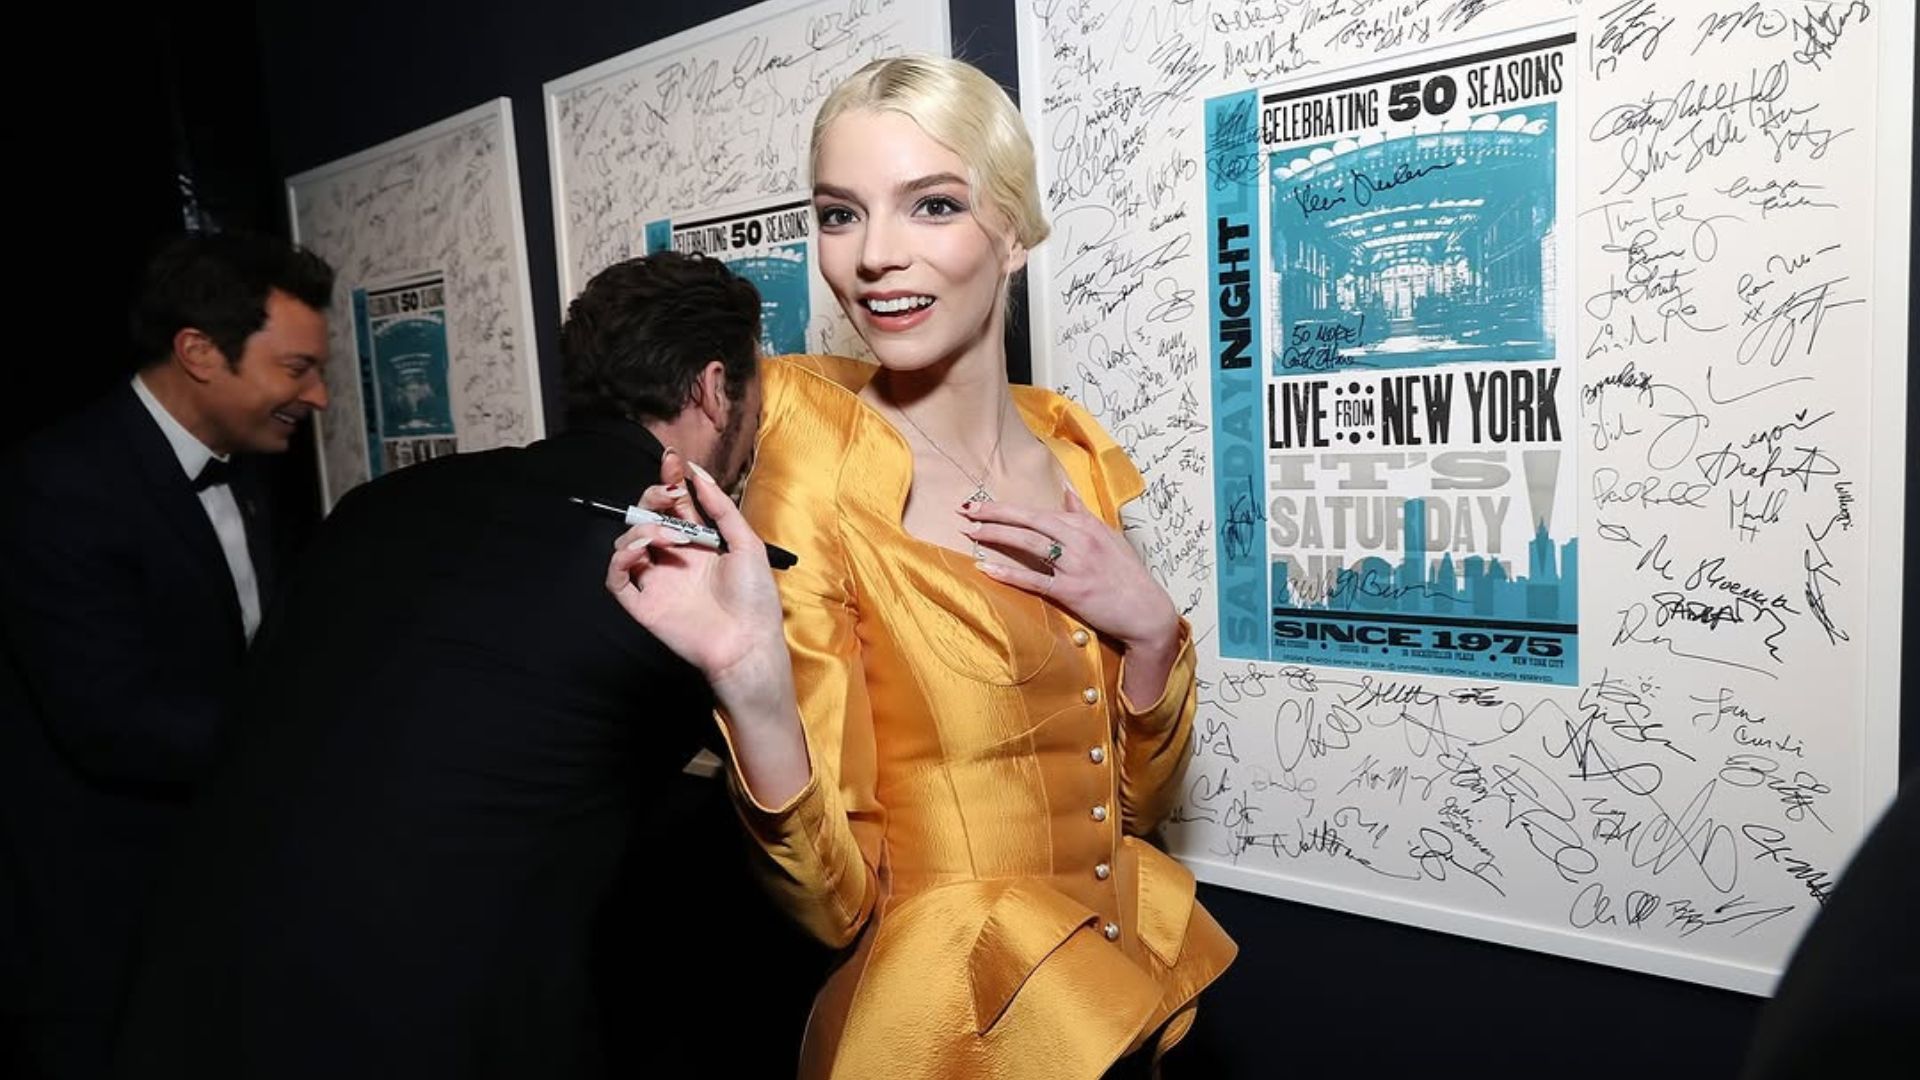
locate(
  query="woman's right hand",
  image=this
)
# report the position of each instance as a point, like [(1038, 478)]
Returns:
[(720, 613)]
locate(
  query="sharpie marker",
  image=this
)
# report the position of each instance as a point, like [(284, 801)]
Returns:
[(698, 535)]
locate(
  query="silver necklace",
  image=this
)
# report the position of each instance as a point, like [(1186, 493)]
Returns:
[(980, 492)]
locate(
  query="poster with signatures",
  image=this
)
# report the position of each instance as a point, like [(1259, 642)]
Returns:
[(1520, 389), (770, 246), (429, 219), (400, 331), (1398, 479)]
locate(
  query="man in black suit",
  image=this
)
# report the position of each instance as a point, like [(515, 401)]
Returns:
[(454, 744), (1848, 1001), (135, 556)]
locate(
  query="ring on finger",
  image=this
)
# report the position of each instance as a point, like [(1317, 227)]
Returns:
[(1054, 551)]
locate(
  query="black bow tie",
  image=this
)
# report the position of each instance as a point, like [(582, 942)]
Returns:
[(213, 473)]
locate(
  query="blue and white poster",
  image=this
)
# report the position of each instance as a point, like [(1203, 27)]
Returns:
[(766, 245), (401, 332), (1391, 393)]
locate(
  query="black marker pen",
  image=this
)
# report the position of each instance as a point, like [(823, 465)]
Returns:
[(699, 535)]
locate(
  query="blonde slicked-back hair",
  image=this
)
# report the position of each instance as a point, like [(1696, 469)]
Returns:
[(962, 109)]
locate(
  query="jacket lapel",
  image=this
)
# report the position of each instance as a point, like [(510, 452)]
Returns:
[(249, 492), (174, 501)]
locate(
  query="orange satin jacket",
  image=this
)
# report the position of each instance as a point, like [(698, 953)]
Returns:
[(979, 781)]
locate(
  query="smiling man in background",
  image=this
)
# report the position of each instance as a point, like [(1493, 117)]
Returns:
[(135, 561)]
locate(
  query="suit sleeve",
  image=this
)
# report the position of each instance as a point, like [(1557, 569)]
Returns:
[(72, 595), (820, 852)]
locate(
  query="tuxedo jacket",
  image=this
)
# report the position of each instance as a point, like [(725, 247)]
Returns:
[(120, 641)]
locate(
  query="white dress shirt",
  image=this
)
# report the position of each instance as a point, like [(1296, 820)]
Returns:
[(218, 501)]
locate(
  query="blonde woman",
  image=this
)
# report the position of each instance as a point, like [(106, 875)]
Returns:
[(990, 698)]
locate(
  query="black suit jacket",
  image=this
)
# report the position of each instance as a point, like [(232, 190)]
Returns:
[(452, 740), (1848, 1004), (120, 635)]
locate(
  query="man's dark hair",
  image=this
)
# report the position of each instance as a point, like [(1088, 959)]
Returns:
[(217, 283), (636, 339)]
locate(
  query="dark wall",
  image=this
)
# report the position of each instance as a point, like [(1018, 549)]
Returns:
[(169, 123), (1315, 992)]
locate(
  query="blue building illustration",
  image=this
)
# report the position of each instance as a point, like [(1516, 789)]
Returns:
[(1418, 250)]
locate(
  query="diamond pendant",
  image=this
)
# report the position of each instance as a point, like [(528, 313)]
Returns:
[(980, 495)]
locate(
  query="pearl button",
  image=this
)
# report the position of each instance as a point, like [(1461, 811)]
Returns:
[(1103, 871), (1112, 931), (1080, 637), (1097, 755), (1099, 813), (1090, 696)]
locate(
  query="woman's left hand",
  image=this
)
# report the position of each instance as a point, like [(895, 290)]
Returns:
[(1094, 573)]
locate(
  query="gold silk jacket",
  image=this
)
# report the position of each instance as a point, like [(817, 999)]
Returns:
[(979, 782)]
